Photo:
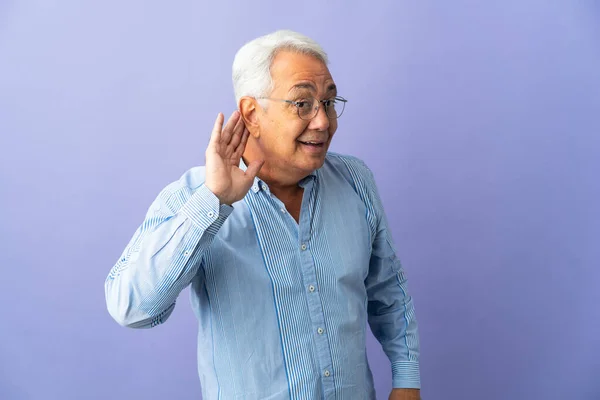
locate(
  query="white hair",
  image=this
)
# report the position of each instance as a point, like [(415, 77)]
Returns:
[(252, 63)]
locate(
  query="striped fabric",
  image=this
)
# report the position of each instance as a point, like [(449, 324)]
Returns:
[(282, 307)]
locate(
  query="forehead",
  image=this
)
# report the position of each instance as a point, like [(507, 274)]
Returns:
[(293, 71)]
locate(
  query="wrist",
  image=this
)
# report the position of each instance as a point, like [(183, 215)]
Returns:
[(405, 394), (223, 200)]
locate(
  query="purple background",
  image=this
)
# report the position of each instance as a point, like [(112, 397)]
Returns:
[(479, 119)]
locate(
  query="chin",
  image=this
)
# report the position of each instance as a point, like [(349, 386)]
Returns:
[(315, 163), (309, 159)]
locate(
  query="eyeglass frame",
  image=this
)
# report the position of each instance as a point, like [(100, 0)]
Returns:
[(316, 111)]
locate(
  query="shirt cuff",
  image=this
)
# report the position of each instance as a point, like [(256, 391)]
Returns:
[(205, 210), (406, 375)]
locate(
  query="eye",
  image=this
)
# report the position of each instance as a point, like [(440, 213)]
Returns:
[(329, 103), (302, 103)]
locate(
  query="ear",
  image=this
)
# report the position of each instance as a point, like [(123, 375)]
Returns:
[(249, 109)]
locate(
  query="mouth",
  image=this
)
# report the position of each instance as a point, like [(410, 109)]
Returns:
[(312, 143)]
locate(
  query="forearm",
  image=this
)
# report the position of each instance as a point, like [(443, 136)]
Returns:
[(161, 260), (147, 280), (392, 320)]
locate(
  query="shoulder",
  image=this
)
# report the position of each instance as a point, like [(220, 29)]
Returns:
[(191, 179), (176, 193), (360, 176), (358, 170)]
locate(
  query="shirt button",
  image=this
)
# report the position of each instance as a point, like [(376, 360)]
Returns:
[(255, 188), (303, 247), (311, 288), (327, 373), (320, 331), (264, 187), (186, 253), (210, 214)]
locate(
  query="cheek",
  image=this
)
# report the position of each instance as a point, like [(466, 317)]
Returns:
[(333, 125), (281, 133), (288, 131), (281, 136)]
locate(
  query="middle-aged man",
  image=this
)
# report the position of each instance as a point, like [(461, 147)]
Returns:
[(286, 246)]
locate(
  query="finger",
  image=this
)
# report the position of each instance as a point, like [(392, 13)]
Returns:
[(238, 134), (241, 124), (237, 131), (216, 132), (229, 127), (242, 145), (253, 169)]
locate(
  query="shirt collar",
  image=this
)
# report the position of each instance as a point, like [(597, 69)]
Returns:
[(259, 185)]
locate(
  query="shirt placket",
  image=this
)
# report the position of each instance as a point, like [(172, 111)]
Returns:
[(313, 295)]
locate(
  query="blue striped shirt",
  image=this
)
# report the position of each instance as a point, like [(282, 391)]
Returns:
[(282, 306)]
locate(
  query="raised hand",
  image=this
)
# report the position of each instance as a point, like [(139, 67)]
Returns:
[(223, 176)]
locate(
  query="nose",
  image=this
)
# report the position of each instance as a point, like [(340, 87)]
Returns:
[(321, 121)]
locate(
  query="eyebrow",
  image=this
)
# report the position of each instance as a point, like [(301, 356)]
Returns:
[(311, 87)]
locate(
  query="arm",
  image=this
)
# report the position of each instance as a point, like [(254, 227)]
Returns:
[(164, 255), (390, 306), (167, 249)]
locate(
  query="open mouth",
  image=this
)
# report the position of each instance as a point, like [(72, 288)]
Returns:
[(313, 144)]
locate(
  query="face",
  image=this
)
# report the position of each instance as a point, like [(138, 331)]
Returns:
[(286, 141)]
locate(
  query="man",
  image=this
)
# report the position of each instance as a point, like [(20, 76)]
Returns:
[(286, 246)]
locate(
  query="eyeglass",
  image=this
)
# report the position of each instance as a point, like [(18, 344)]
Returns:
[(308, 108)]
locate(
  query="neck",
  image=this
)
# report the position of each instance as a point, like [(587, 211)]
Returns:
[(283, 182)]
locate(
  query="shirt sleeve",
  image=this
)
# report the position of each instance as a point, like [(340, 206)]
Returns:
[(164, 254), (391, 312)]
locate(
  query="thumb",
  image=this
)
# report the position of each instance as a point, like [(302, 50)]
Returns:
[(253, 169)]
